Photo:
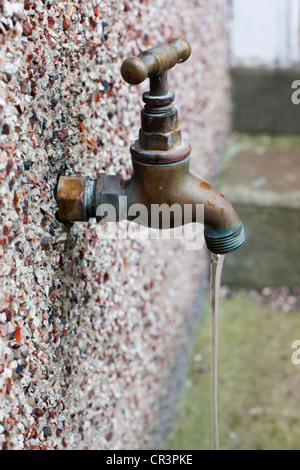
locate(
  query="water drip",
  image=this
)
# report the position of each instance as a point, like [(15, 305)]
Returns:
[(217, 262)]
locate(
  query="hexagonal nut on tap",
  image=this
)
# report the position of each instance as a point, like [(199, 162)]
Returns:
[(107, 198), (74, 197), (159, 141)]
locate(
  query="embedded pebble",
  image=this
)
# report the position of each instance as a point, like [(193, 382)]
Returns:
[(88, 325)]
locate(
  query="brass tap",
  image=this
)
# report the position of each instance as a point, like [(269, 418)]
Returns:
[(160, 159)]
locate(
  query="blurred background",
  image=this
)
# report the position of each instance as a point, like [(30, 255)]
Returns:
[(259, 313)]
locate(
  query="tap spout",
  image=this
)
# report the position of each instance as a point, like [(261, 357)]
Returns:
[(175, 186), (223, 230)]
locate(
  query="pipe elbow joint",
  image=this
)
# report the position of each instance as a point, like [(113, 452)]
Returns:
[(223, 230), (172, 185)]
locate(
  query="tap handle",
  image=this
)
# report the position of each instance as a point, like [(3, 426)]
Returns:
[(155, 61)]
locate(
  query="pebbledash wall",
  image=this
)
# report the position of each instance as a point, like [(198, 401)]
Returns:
[(91, 329)]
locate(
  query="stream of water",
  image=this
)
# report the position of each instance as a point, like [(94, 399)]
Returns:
[(217, 262)]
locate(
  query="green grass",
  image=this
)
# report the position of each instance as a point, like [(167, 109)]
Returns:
[(259, 386)]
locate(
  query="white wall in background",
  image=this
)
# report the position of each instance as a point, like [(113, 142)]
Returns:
[(264, 32)]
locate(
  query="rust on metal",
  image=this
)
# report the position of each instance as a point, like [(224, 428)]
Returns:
[(70, 198)]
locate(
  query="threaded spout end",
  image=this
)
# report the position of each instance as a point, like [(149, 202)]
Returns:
[(227, 244)]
